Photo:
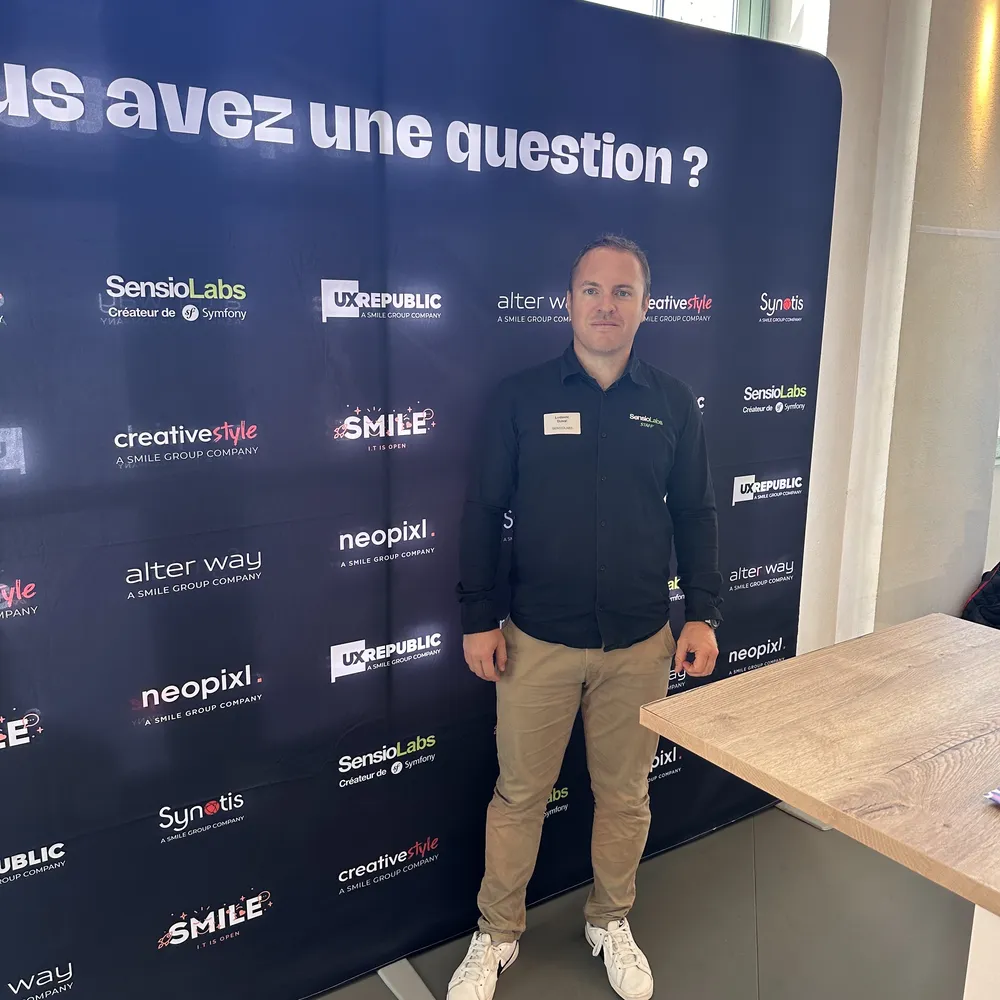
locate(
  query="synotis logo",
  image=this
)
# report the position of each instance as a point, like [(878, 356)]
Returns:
[(768, 651), (389, 866), (191, 820), (666, 762), (376, 423), (750, 488), (193, 574), (12, 450), (781, 309), (357, 657), (217, 687), (33, 862), (680, 309), (235, 440), (45, 983), (749, 577), (210, 927), (343, 299), (123, 293), (16, 599), (402, 755), (407, 540), (20, 731), (775, 399)]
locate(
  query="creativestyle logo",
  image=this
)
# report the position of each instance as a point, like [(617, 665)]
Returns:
[(117, 302), (781, 309), (376, 763), (357, 657), (343, 299), (20, 730), (750, 488), (191, 820), (407, 540), (16, 599), (207, 927), (235, 438), (34, 862), (680, 309), (749, 577), (389, 866), (376, 423), (193, 574), (46, 983), (12, 450), (215, 692)]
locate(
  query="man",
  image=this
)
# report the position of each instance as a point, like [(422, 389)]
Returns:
[(602, 459)]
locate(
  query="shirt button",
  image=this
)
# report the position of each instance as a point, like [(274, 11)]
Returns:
[(604, 479), (604, 434), (604, 524), (603, 568)]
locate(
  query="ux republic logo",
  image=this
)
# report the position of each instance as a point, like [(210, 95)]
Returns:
[(192, 820), (34, 862), (192, 574), (343, 299), (375, 423), (211, 693), (17, 600), (184, 444), (357, 657), (191, 300), (747, 488), (211, 927), (20, 731)]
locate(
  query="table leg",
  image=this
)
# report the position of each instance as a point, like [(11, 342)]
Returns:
[(982, 982)]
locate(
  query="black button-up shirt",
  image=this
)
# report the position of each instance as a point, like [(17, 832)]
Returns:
[(600, 482)]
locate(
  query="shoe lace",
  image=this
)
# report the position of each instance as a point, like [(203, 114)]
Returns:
[(621, 944), (476, 963)]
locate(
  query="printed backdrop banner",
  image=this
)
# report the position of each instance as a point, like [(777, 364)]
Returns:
[(261, 264)]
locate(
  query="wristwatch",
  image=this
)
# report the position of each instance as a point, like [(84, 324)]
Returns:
[(712, 623)]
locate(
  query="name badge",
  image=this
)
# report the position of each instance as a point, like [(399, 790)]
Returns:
[(562, 423)]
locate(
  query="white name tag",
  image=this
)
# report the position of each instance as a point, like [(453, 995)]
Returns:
[(562, 423)]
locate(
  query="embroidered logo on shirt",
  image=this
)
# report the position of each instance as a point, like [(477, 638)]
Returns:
[(646, 421)]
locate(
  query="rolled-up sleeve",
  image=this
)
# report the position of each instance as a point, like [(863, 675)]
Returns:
[(492, 483)]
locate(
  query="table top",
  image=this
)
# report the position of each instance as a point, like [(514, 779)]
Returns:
[(892, 738)]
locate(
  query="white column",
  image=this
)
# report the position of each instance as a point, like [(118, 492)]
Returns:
[(944, 426)]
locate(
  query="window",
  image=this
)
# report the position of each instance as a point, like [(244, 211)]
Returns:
[(748, 17)]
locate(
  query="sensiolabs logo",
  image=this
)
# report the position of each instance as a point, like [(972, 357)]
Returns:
[(207, 927), (217, 692), (191, 820), (389, 866), (391, 758), (37, 861)]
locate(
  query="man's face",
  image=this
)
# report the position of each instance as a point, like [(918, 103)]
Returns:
[(608, 300)]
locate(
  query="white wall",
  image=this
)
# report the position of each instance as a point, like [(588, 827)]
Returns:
[(804, 22)]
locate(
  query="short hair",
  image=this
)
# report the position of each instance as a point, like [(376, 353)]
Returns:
[(611, 242)]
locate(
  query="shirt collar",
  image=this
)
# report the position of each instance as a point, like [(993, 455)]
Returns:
[(569, 365)]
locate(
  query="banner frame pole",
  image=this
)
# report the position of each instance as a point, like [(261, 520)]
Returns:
[(404, 982)]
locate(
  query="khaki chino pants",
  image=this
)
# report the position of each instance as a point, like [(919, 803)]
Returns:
[(538, 696)]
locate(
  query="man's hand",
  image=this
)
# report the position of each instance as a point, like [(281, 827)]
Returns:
[(697, 638), (486, 653)]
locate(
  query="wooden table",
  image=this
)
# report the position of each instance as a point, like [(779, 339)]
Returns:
[(893, 739)]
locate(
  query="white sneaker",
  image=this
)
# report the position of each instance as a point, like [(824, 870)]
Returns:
[(628, 970), (476, 977)]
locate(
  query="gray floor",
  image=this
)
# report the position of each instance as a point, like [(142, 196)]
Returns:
[(768, 909)]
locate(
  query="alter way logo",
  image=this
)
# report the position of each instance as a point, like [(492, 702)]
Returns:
[(47, 983)]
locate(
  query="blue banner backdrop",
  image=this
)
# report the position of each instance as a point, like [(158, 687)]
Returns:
[(260, 265)]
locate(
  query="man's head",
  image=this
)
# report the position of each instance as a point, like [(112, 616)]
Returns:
[(608, 294)]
